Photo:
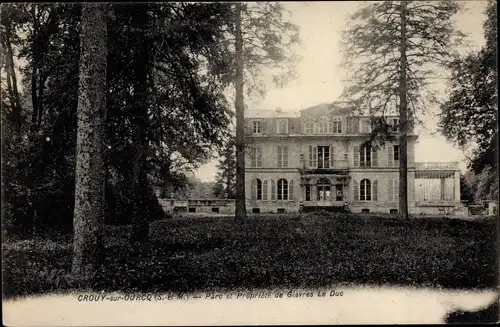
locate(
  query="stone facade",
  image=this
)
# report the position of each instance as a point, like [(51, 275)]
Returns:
[(317, 159)]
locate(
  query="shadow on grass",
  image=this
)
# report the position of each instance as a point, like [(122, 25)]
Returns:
[(269, 251)]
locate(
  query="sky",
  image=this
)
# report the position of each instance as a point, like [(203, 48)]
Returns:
[(319, 76)]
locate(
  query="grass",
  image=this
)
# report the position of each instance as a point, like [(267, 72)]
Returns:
[(309, 250)]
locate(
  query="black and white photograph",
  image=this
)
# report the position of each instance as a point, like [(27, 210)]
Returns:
[(249, 163)]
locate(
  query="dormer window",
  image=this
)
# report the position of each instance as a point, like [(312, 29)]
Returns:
[(282, 126), (309, 126), (322, 125), (395, 124), (366, 126), (256, 127), (336, 125)]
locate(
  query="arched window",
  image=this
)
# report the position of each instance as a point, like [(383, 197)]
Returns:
[(322, 125), (324, 188), (309, 126), (365, 190), (337, 125), (282, 189), (256, 189)]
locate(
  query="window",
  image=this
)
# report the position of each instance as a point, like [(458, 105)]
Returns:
[(192, 209), (365, 126), (309, 126), (215, 210), (308, 192), (264, 191), (281, 210), (393, 211), (337, 125), (395, 124), (322, 125), (256, 189), (313, 156), (282, 189), (365, 210), (256, 127), (396, 152), (282, 126), (324, 189), (282, 154), (323, 157), (365, 190), (256, 210), (365, 156), (255, 157)]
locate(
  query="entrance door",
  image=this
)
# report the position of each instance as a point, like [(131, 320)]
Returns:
[(324, 193), (338, 192)]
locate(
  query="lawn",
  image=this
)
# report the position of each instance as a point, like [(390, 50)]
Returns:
[(308, 250)]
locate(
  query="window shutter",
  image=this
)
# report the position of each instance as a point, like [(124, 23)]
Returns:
[(285, 156), (315, 157), (273, 190), (278, 156), (310, 156), (332, 156), (270, 153), (290, 190), (396, 189), (253, 190), (374, 158), (355, 191), (390, 156), (356, 156), (375, 190), (264, 191), (390, 191), (259, 157)]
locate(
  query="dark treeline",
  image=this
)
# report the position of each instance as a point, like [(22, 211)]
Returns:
[(169, 67)]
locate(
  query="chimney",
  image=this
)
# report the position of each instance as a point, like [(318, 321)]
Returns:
[(278, 109)]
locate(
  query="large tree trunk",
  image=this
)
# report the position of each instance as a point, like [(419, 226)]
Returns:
[(403, 119), (90, 165), (140, 219), (240, 212)]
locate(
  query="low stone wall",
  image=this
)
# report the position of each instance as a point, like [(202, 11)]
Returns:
[(227, 207)]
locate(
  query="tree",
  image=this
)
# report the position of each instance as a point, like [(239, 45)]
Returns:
[(263, 38), (469, 116), (90, 164), (240, 210), (394, 49), (225, 181)]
